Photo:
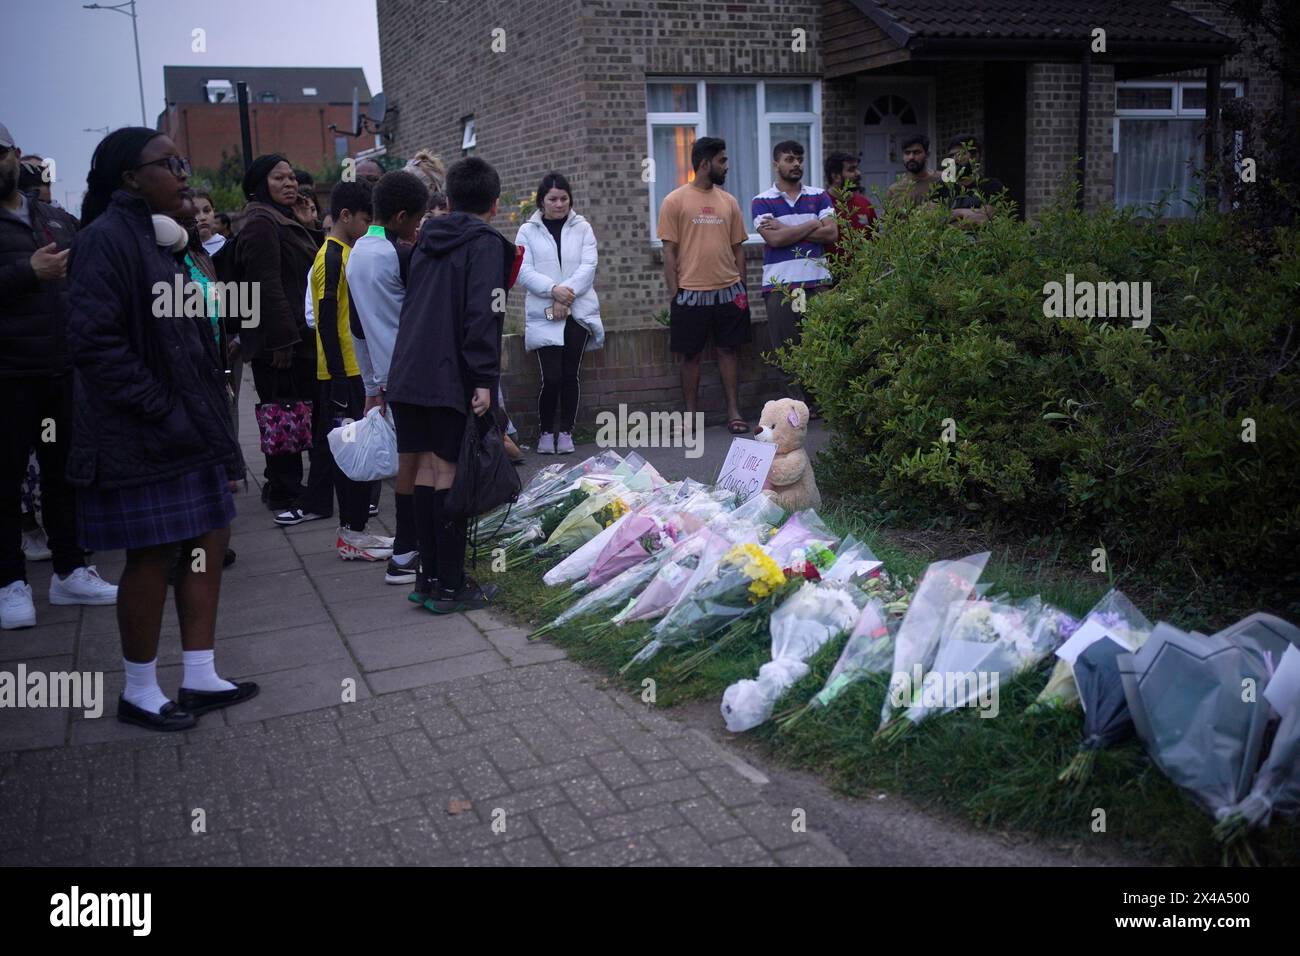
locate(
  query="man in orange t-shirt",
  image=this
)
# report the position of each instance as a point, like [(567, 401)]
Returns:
[(704, 268)]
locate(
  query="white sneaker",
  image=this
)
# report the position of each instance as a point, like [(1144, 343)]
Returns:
[(16, 607), (360, 545), (82, 586), (565, 444), (36, 547), (546, 444)]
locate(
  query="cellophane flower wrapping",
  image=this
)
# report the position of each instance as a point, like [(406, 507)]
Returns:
[(1119, 616), (869, 650), (805, 622), (918, 636), (984, 644), (580, 563), (802, 529), (728, 591), (854, 560), (589, 519)]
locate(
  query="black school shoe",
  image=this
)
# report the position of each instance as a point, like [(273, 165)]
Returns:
[(471, 596), (201, 701), (403, 573), (171, 717)]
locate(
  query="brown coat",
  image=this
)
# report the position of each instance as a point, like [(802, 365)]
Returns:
[(277, 252)]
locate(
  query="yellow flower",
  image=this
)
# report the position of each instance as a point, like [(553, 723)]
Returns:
[(764, 573)]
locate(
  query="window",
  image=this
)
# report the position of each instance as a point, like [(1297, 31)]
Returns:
[(1158, 142), (468, 138), (340, 147), (267, 96), (751, 115), (309, 91)]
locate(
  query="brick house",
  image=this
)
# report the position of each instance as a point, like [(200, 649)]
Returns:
[(594, 88), (291, 111)]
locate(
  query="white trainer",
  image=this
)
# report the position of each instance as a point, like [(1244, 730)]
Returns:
[(360, 545), (564, 446), (16, 607), (82, 586), (36, 547), (546, 444)]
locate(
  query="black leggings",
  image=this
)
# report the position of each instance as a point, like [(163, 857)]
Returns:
[(560, 384)]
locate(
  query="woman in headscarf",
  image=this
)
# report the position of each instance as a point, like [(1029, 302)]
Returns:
[(276, 251), (152, 445)]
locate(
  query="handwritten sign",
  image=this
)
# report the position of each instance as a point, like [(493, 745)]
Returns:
[(746, 466)]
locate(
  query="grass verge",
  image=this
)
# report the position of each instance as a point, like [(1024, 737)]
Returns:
[(997, 773)]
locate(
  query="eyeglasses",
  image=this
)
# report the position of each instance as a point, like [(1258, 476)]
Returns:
[(179, 167)]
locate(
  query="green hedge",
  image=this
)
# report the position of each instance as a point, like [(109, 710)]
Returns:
[(1129, 436)]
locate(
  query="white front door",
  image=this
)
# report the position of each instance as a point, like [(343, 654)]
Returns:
[(888, 112)]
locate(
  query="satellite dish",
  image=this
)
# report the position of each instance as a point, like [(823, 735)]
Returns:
[(378, 107)]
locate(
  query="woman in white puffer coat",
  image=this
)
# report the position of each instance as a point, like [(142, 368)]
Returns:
[(561, 311)]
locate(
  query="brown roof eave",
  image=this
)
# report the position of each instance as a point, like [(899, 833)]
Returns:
[(982, 48)]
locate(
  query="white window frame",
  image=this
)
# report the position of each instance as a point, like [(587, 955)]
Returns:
[(1176, 109), (468, 133), (699, 120)]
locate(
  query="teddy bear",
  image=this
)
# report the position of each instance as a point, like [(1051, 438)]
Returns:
[(790, 482)]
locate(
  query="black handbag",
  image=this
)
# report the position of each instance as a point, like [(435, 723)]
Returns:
[(485, 476)]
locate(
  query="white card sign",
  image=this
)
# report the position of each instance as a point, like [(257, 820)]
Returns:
[(1283, 690), (1087, 635), (746, 466)]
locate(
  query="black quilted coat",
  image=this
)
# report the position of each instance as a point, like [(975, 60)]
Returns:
[(150, 399)]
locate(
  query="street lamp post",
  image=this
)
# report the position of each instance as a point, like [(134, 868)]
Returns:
[(135, 32)]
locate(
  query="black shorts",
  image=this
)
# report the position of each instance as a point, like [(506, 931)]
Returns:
[(694, 315), (421, 428)]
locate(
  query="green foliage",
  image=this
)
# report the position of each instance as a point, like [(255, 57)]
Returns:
[(225, 183), (1128, 435)]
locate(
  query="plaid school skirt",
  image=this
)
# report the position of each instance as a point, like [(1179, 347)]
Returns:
[(165, 512)]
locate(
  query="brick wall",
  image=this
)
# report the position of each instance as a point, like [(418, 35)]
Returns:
[(202, 131), (1052, 139), (569, 93), (958, 105)]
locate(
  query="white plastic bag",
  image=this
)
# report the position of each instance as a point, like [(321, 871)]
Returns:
[(366, 450)]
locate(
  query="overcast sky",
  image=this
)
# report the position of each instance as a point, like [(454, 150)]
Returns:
[(65, 69)]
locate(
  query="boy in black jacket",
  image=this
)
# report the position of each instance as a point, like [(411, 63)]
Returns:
[(446, 364)]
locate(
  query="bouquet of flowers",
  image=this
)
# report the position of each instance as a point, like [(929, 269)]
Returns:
[(983, 644), (918, 636), (1113, 615), (689, 558), (800, 627), (641, 535), (589, 518), (854, 560), (804, 528), (580, 562), (549, 488), (740, 580), (869, 650)]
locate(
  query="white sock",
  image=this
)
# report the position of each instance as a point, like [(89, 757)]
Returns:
[(142, 686), (403, 558), (201, 672)]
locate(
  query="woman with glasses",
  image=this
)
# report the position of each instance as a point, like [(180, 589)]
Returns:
[(152, 444)]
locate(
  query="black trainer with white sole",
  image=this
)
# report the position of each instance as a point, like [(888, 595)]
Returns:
[(287, 519), (471, 596), (403, 572)]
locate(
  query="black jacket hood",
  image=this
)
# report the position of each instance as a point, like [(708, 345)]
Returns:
[(440, 236)]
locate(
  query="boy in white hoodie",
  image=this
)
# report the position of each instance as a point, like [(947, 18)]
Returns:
[(376, 276)]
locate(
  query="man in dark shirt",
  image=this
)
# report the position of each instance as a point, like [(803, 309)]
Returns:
[(971, 196)]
